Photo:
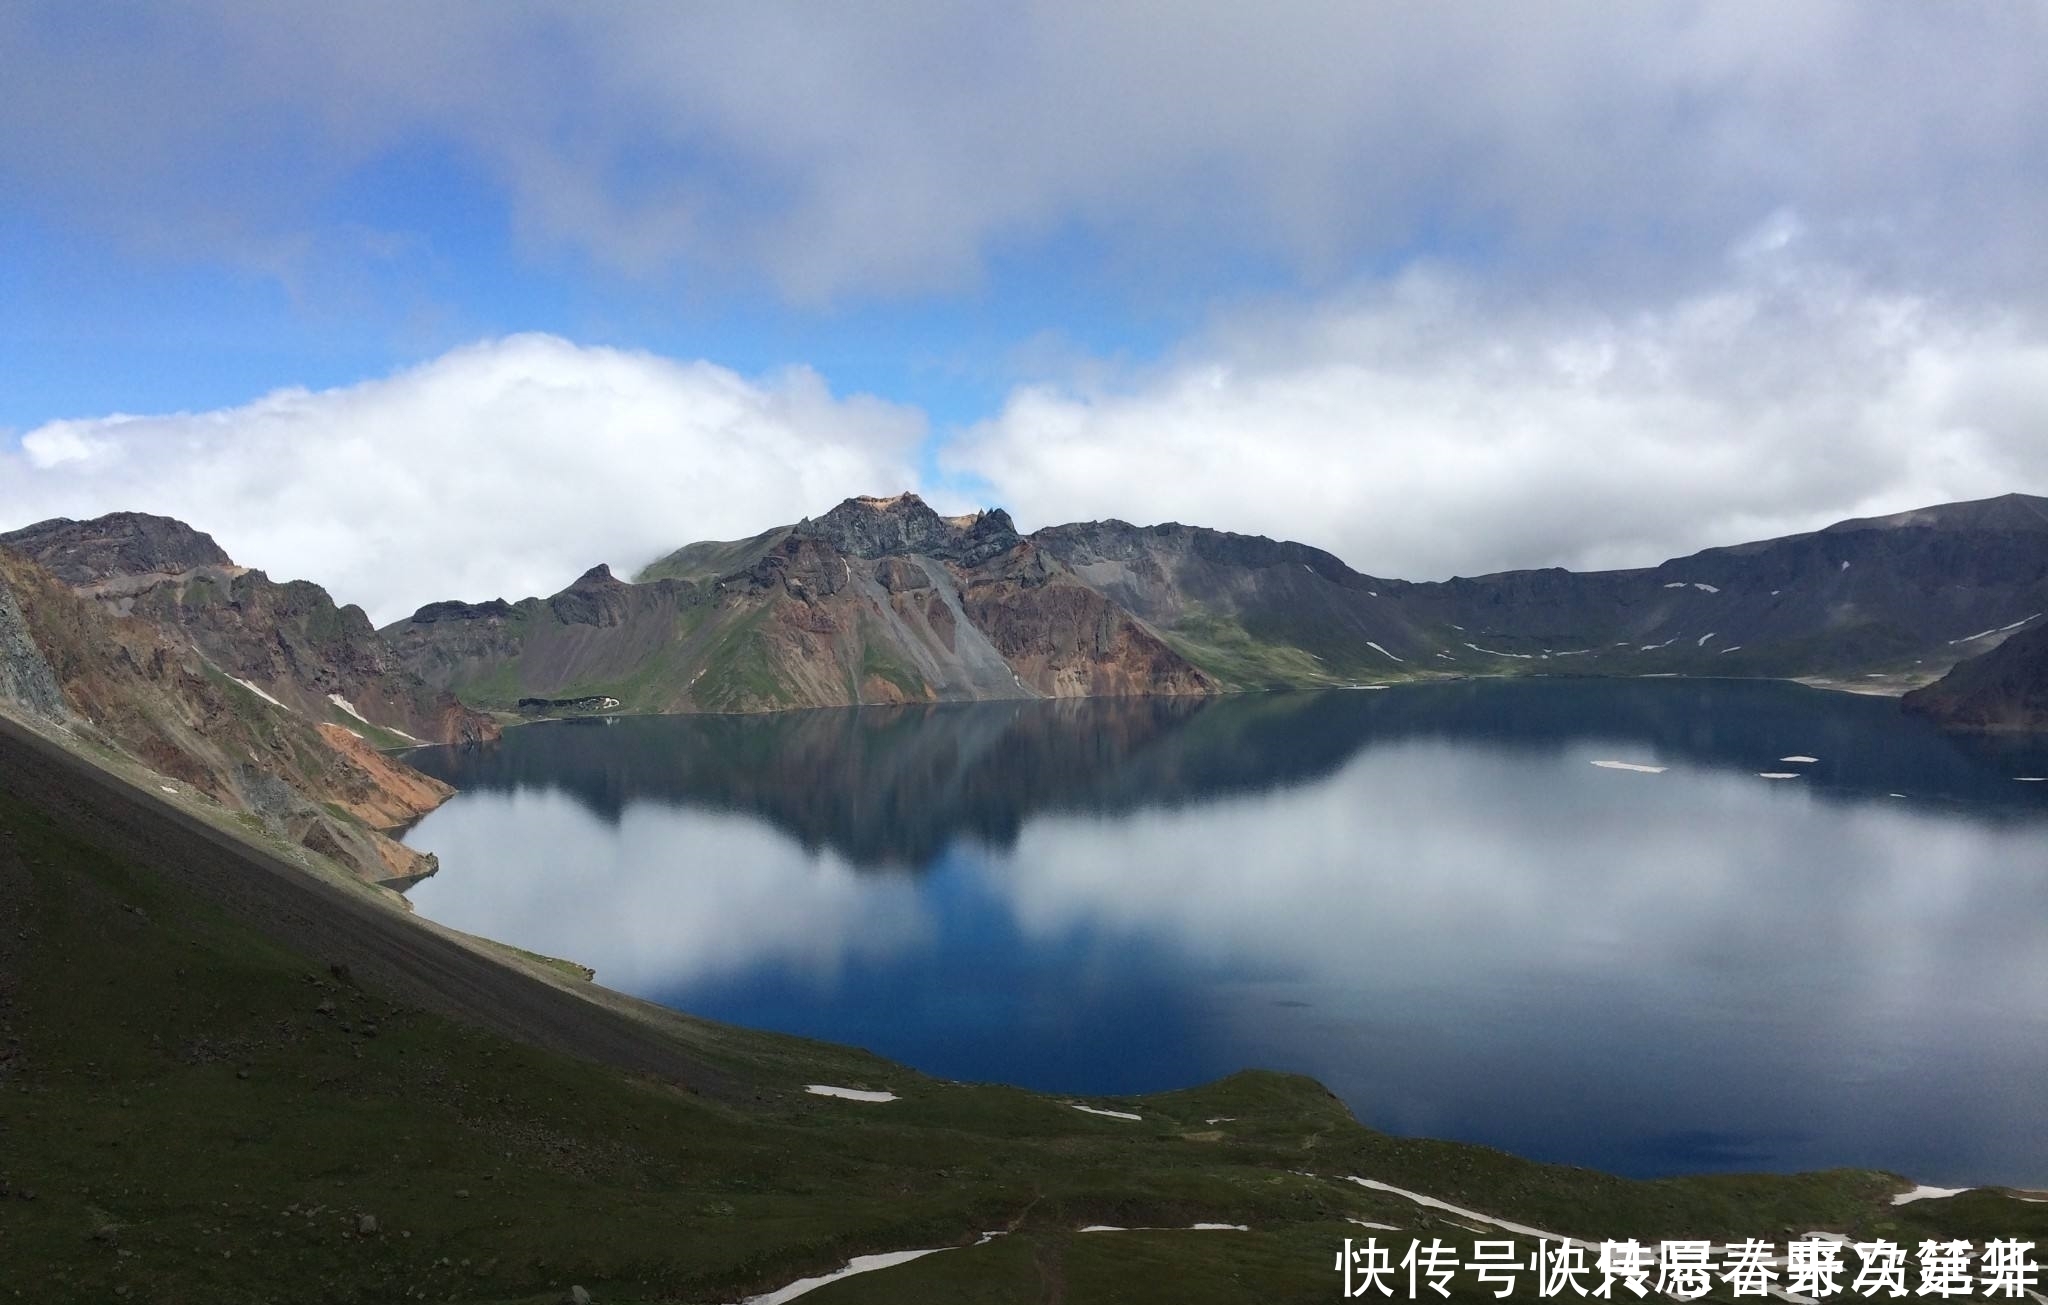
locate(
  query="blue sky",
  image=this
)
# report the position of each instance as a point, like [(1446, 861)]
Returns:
[(1442, 288)]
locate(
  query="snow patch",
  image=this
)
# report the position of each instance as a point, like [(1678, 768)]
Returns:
[(1730, 648), (1776, 774), (1491, 653), (1193, 1227), (1926, 1193), (1383, 652), (858, 1264), (1630, 765), (1432, 1203), (347, 706), (1706, 589), (848, 1094), (258, 692), (1109, 1114), (1703, 639), (1800, 760)]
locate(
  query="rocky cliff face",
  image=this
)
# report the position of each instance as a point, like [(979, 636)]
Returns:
[(2005, 689), (123, 682), (1896, 598), (876, 601), (291, 641)]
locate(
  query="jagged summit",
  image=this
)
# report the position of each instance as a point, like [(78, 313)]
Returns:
[(871, 527), (120, 545)]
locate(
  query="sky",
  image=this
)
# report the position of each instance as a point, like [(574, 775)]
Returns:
[(457, 300)]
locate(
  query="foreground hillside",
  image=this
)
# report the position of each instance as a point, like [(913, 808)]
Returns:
[(226, 1079)]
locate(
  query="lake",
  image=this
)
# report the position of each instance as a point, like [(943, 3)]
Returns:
[(1427, 897)]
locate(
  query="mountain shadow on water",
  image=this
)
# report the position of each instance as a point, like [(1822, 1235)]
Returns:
[(895, 786)]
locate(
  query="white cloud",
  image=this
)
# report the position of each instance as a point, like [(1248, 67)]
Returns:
[(505, 468), (1428, 429), (893, 146)]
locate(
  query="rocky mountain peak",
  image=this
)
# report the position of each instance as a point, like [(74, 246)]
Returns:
[(121, 545), (905, 524), (597, 598)]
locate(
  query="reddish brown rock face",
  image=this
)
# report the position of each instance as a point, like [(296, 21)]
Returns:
[(148, 691), (291, 640)]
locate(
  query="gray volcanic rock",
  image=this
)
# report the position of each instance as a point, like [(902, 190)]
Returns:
[(84, 554), (25, 674), (597, 598), (905, 525)]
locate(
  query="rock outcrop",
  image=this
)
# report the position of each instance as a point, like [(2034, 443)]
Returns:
[(290, 640), (880, 600), (125, 683), (2003, 690)]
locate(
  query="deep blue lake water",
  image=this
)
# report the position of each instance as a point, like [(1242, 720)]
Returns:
[(1427, 897)]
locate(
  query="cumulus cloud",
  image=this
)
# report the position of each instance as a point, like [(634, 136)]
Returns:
[(1430, 427), (893, 147), (505, 468)]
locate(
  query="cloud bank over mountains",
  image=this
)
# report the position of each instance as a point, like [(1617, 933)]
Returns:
[(1420, 429), (1577, 284), (506, 468)]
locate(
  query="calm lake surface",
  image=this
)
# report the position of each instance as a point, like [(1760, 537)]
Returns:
[(1426, 897)]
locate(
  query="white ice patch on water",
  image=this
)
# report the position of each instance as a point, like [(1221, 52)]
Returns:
[(1630, 765), (849, 1094), (1109, 1114)]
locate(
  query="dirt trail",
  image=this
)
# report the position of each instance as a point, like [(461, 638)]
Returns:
[(384, 948)]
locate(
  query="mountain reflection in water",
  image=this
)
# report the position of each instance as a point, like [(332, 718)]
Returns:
[(1426, 897)]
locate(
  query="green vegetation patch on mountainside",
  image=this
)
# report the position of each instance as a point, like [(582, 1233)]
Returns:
[(1221, 646)]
